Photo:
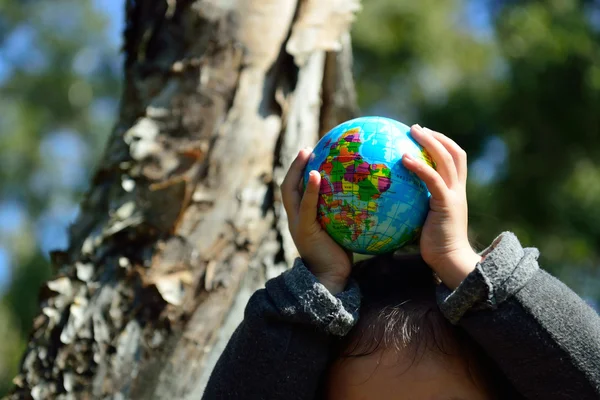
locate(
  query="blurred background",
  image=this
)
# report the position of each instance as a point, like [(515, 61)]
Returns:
[(515, 83)]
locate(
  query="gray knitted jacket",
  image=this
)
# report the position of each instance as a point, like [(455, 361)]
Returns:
[(540, 333)]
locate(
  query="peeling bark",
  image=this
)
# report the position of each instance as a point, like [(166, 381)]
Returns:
[(184, 218)]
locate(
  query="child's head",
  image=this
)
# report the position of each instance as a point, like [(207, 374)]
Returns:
[(403, 347)]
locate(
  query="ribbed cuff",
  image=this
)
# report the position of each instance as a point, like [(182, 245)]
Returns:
[(505, 269), (472, 293), (299, 296)]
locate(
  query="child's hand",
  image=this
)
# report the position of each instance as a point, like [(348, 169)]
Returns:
[(325, 258), (444, 242)]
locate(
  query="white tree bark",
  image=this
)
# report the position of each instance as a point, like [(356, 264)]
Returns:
[(183, 220)]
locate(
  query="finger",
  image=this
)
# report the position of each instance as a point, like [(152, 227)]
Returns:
[(434, 182), (441, 156), (308, 206), (291, 193), (458, 154), (301, 186)]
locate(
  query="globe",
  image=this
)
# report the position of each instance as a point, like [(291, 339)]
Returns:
[(369, 202)]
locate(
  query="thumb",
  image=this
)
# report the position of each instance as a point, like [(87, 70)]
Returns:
[(310, 199)]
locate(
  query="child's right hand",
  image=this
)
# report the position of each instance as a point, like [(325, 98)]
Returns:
[(329, 262)]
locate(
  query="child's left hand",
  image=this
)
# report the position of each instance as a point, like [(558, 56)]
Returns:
[(444, 240)]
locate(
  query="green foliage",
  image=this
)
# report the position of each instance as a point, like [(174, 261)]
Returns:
[(58, 85), (520, 95)]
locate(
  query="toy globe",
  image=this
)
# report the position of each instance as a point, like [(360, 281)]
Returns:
[(369, 202)]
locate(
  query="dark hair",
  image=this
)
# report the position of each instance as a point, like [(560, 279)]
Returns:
[(399, 311)]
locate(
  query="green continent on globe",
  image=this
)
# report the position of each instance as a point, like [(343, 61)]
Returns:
[(349, 188)]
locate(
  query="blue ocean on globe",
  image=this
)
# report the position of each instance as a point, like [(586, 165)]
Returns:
[(369, 202)]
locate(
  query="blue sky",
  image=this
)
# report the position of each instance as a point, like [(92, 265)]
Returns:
[(114, 10), (64, 151)]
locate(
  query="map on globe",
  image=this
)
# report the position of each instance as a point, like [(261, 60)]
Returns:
[(369, 203)]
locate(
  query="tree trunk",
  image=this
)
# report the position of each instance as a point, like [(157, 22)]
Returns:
[(183, 220)]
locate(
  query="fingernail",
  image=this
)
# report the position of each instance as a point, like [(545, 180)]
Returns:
[(408, 157), (418, 128)]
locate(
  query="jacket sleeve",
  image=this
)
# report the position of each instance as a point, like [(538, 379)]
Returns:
[(281, 348), (540, 333)]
